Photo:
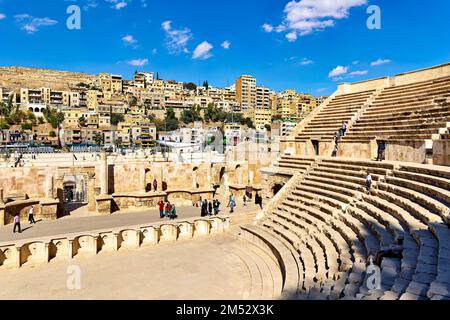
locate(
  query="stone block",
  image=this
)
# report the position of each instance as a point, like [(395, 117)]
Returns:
[(84, 245), (107, 242), (169, 233), (129, 239), (202, 228), (186, 231), (60, 249), (34, 253), (149, 236), (9, 257)]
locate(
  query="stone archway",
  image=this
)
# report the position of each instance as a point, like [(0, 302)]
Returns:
[(75, 189)]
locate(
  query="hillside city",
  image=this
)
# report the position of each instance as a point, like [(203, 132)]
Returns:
[(108, 110)]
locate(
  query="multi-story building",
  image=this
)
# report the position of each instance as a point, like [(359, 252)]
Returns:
[(282, 128), (5, 95), (320, 100), (261, 118), (246, 92), (93, 98), (72, 117), (262, 98)]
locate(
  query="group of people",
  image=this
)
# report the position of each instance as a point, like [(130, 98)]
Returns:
[(167, 210), (209, 207), (232, 201), (17, 220), (337, 137)]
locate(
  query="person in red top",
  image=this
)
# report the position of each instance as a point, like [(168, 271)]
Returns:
[(161, 209)]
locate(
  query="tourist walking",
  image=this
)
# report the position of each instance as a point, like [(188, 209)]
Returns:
[(244, 200), (216, 207), (155, 185), (31, 215), (204, 208), (210, 208), (368, 183), (344, 128), (232, 203), (258, 200), (17, 224), (381, 151), (161, 209)]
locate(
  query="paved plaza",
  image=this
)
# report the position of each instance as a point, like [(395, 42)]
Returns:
[(74, 224), (204, 269)]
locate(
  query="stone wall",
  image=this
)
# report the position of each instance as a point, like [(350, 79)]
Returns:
[(441, 152), (363, 150), (406, 151)]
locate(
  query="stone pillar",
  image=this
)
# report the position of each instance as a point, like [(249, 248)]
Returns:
[(142, 182), (49, 186), (103, 174), (208, 174), (194, 180)]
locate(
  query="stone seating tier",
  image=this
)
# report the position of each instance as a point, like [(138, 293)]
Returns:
[(329, 202)]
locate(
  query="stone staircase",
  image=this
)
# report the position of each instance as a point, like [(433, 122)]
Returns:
[(410, 112)]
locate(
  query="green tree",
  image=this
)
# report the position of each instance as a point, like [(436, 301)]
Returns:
[(191, 115), (206, 84), (190, 86), (171, 121), (27, 126), (133, 101), (116, 118), (82, 121), (52, 134), (98, 138)]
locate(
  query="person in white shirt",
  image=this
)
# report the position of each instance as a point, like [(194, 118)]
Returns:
[(31, 215)]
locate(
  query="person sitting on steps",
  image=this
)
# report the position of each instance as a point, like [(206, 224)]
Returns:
[(395, 251)]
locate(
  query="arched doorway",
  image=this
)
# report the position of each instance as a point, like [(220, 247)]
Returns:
[(75, 193)]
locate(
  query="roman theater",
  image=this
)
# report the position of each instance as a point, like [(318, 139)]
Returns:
[(312, 240)]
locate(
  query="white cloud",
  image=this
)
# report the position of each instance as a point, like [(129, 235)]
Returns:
[(305, 62), (129, 39), (176, 39), (380, 62), (203, 51), (2, 16), (154, 51), (358, 73), (118, 4), (138, 62), (31, 24), (292, 36), (338, 71), (226, 44), (304, 17), (267, 27), (90, 4)]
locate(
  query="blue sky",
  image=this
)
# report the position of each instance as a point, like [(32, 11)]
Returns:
[(307, 45)]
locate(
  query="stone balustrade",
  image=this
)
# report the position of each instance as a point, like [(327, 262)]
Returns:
[(31, 252)]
